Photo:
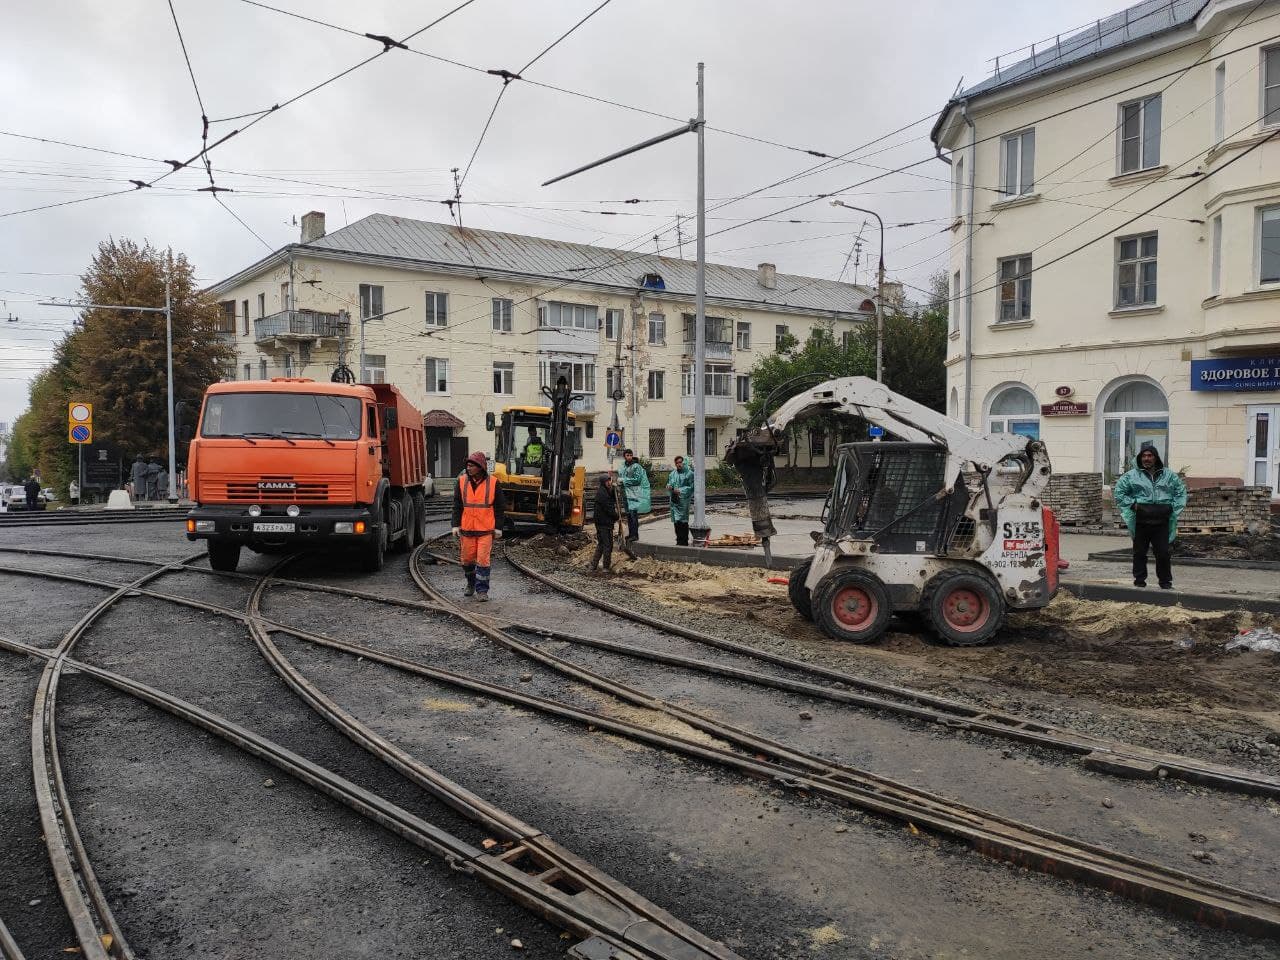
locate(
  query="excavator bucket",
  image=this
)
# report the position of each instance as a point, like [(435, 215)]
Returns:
[(752, 456)]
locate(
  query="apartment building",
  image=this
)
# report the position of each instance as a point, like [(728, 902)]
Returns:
[(1115, 254), (468, 322)]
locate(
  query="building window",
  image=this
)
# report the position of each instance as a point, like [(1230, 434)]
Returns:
[(612, 324), (1220, 102), (375, 368), (1015, 289), (1017, 164), (709, 440), (262, 305), (501, 315), (742, 387), (1215, 258), (570, 316), (1271, 87), (743, 335), (657, 443), (581, 375), (370, 301), (780, 335), (847, 339), (1269, 245), (244, 320), (657, 328), (955, 302), (613, 382), (504, 379), (437, 375), (817, 443), (1139, 146), (718, 380), (438, 309), (227, 318), (957, 195), (1136, 271), (248, 371), (262, 369), (1014, 410), (1134, 414), (656, 384), (288, 364), (717, 333), (284, 296)]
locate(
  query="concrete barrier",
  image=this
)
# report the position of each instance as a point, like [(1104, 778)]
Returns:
[(119, 500)]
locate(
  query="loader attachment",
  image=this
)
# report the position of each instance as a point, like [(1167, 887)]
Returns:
[(752, 456)]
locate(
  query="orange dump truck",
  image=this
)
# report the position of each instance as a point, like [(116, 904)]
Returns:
[(298, 463)]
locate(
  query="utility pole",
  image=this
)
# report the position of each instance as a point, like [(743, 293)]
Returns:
[(679, 237), (457, 194), (698, 525), (879, 289)]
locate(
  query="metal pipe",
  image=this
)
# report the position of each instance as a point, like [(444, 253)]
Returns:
[(168, 339), (700, 331), (879, 289), (968, 267), (652, 141)]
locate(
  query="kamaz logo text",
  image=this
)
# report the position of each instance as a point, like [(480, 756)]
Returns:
[(277, 485)]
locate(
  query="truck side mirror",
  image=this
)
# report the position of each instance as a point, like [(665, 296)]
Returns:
[(490, 422), (391, 417), (186, 432)]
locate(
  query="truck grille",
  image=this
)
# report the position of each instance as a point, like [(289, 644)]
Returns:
[(304, 491)]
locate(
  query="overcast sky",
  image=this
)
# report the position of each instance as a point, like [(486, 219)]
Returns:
[(827, 75)]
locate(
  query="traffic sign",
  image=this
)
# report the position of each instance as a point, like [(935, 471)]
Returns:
[(875, 431), (80, 433), (80, 412), (613, 439)]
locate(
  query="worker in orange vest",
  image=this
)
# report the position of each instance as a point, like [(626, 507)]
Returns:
[(478, 507)]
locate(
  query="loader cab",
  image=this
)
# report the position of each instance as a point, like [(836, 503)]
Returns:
[(521, 446)]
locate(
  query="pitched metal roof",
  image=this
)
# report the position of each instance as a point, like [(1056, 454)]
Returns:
[(421, 243)]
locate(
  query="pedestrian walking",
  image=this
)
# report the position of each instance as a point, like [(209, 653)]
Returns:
[(478, 508), (32, 489), (606, 515), (635, 486), (680, 484), (138, 478), (1151, 497), (162, 484), (153, 474)]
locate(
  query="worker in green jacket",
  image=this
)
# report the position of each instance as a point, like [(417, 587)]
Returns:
[(635, 486), (680, 486), (1151, 497)]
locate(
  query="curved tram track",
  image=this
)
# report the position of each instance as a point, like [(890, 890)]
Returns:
[(552, 867)]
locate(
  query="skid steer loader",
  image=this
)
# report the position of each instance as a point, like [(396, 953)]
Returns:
[(945, 522)]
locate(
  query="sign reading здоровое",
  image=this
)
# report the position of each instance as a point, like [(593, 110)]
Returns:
[(1236, 373)]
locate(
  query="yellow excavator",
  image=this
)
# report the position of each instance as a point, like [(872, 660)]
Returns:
[(536, 453)]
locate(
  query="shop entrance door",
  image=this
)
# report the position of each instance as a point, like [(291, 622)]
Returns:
[(1262, 465)]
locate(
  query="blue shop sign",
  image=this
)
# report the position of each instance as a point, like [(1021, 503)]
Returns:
[(1236, 373)]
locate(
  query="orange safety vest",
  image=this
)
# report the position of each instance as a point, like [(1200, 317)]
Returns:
[(477, 506)]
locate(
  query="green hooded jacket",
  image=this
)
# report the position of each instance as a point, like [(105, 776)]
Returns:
[(635, 485), (1162, 485), (680, 483)]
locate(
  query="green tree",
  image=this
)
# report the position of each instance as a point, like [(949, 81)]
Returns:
[(915, 351), (18, 459)]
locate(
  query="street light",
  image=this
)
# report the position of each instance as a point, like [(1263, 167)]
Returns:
[(879, 289)]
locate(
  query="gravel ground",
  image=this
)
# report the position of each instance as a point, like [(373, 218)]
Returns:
[(1151, 676)]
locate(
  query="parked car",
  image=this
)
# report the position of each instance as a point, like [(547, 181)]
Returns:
[(49, 495), (13, 497)]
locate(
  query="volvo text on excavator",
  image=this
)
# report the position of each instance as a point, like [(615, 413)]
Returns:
[(945, 522)]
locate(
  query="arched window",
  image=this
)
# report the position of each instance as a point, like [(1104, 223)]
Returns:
[(1134, 412), (953, 404), (1013, 409), (868, 306)]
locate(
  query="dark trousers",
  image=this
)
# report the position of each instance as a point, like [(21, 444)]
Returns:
[(682, 533), (1156, 537), (633, 525), (33, 500), (604, 547)]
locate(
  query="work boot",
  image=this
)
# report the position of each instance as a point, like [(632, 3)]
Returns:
[(482, 598), (1167, 586), (1139, 583), (469, 591)]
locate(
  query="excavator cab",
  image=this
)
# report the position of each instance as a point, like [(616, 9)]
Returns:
[(536, 453)]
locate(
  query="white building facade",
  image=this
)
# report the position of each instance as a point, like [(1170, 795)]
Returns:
[(1115, 254), (467, 322)]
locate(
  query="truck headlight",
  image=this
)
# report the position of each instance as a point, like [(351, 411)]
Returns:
[(293, 510), (255, 511), (341, 526), (205, 526)]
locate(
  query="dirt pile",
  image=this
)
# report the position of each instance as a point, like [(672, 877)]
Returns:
[(1228, 546)]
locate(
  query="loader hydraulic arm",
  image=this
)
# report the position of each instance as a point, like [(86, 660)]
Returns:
[(967, 449)]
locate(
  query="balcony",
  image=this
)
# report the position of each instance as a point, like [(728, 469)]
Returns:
[(572, 340), (715, 349), (717, 407), (289, 327), (586, 407)]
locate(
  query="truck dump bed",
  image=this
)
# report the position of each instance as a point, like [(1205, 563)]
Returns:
[(406, 441)]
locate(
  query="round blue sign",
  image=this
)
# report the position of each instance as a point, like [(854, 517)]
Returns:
[(80, 432), (613, 439), (875, 431)]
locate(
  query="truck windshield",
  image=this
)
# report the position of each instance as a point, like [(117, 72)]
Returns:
[(295, 415)]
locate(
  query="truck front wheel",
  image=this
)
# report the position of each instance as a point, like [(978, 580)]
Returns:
[(223, 556), (375, 551)]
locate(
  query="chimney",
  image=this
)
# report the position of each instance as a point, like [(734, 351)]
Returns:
[(893, 294), (768, 276), (312, 226)]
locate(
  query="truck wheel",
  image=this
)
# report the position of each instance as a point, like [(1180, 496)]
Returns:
[(224, 556), (798, 593), (375, 551), (419, 518), (964, 607), (408, 521), (852, 605)]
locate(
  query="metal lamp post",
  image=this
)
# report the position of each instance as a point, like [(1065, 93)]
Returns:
[(879, 289), (698, 126)]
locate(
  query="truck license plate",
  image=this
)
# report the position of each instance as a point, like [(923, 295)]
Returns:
[(273, 527)]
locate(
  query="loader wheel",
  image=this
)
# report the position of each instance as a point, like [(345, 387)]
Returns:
[(798, 593), (964, 608), (852, 605)]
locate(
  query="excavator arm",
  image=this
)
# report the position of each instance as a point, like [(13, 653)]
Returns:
[(967, 450)]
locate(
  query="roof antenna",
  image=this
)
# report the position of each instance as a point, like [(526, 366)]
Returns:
[(457, 195), (657, 248)]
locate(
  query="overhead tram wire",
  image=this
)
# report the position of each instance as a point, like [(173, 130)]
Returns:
[(204, 114)]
